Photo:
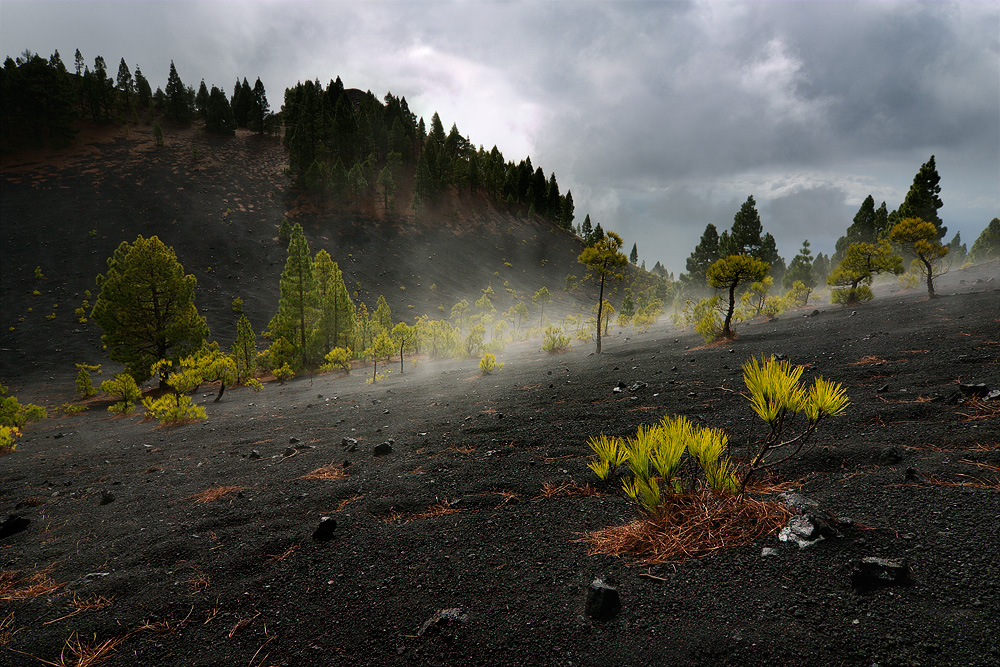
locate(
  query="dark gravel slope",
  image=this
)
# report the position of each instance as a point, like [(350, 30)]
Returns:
[(455, 517)]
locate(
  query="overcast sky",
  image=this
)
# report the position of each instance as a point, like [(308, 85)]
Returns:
[(661, 117)]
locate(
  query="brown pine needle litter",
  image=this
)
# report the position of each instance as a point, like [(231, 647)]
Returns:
[(347, 501), (870, 359), (329, 472), (96, 602), (690, 525), (216, 492), (570, 488), (15, 589), (84, 654)]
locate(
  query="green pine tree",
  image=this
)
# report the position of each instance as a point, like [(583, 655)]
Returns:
[(297, 309), (146, 307), (922, 200)]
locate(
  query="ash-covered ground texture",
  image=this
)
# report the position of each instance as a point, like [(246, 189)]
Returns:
[(205, 544)]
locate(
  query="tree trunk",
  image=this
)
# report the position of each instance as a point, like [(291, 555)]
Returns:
[(600, 307), (726, 331), (222, 389), (930, 279)]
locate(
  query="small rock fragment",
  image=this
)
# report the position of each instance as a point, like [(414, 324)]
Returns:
[(289, 451), (107, 497), (11, 524), (974, 390), (913, 476), (324, 531), (891, 455), (603, 601), (872, 572), (382, 449), (442, 619), (768, 552), (254, 455)]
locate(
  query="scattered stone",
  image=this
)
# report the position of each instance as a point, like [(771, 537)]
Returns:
[(442, 619), (814, 313), (637, 386), (107, 497), (974, 390), (324, 531), (872, 572), (881, 390), (800, 530), (891, 455), (382, 449), (768, 552), (993, 395), (254, 455), (780, 356), (913, 476), (603, 601), (86, 579), (350, 444), (797, 502), (11, 524), (293, 440), (289, 451)]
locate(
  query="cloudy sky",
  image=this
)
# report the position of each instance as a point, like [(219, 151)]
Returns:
[(661, 117)]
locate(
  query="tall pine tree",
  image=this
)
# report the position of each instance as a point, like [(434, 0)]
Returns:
[(704, 255), (295, 320), (922, 201), (177, 107)]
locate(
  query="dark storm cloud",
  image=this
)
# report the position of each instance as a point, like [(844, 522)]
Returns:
[(660, 116)]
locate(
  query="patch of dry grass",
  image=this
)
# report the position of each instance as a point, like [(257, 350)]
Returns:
[(5, 623), (442, 508), (84, 654), (79, 606), (216, 492), (347, 501), (277, 558), (869, 359), (570, 488), (690, 525), (328, 472), (15, 589), (976, 409), (508, 497)]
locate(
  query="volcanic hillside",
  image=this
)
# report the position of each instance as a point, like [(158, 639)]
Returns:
[(218, 201)]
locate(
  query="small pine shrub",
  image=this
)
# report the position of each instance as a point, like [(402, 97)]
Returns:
[(488, 364), (474, 341), (157, 134), (8, 439), (124, 389), (706, 318), (338, 359), (907, 281), (17, 414), (847, 296), (173, 409), (237, 305), (654, 455), (84, 385), (283, 372), (555, 341)]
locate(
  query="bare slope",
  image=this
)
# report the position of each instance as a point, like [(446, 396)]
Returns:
[(218, 202)]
